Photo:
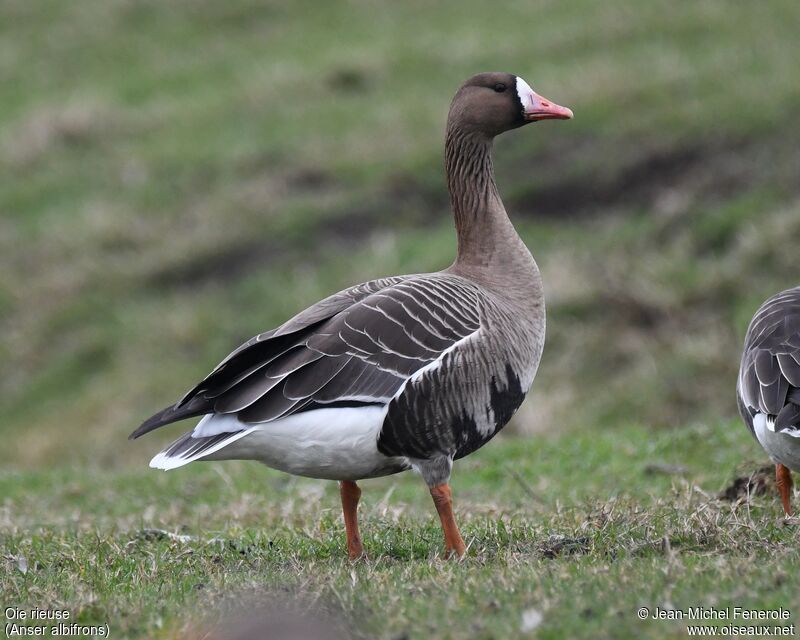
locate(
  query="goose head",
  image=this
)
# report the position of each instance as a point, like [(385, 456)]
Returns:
[(494, 102)]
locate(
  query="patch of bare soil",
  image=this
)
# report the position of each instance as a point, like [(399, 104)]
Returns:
[(402, 200), (558, 545), (660, 176), (758, 483)]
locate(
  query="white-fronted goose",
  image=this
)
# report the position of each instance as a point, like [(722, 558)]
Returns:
[(402, 372), (768, 388)]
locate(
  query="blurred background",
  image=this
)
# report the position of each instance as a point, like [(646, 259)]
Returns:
[(176, 177)]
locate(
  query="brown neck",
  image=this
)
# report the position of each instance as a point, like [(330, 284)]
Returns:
[(486, 237)]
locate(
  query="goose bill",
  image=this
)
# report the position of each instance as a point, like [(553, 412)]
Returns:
[(536, 107), (544, 109)]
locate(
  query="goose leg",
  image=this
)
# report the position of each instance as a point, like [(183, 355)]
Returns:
[(443, 500), (350, 494), (783, 478)]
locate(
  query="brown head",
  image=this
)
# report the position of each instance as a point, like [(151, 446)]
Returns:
[(494, 102)]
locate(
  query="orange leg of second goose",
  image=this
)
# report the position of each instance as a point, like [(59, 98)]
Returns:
[(443, 499), (783, 478), (351, 494)]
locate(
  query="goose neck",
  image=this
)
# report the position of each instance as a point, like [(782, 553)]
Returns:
[(486, 237)]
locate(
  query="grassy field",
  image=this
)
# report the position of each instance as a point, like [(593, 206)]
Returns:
[(582, 529), (176, 177)]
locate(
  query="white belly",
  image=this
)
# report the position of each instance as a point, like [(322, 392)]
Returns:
[(781, 447), (334, 444)]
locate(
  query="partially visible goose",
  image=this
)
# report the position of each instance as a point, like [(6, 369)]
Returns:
[(401, 372), (768, 389)]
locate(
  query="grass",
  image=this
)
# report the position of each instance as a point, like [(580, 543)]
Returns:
[(178, 177), (582, 528)]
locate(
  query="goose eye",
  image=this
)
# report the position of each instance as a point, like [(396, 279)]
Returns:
[(499, 87)]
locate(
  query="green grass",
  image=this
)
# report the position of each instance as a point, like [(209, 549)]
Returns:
[(575, 526)]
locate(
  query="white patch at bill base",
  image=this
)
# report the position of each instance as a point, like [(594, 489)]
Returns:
[(526, 94)]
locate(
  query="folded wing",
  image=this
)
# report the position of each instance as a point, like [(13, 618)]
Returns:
[(357, 347)]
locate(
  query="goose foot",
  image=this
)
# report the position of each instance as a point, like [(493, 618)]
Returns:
[(351, 494), (454, 546)]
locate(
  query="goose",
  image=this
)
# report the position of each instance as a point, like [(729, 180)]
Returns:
[(768, 386), (402, 372)]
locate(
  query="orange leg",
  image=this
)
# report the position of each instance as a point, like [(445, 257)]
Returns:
[(783, 478), (351, 494), (443, 499)]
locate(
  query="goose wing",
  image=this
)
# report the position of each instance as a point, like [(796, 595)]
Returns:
[(357, 347), (769, 376)]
